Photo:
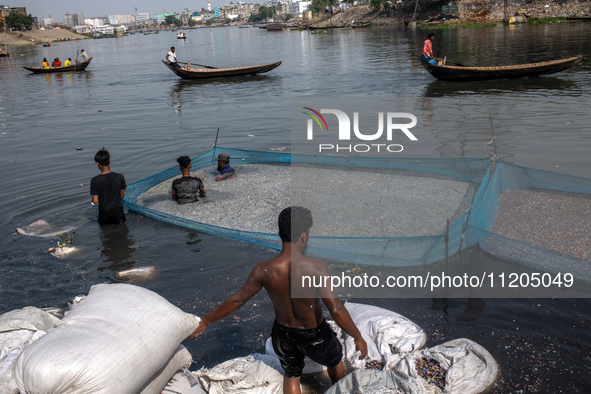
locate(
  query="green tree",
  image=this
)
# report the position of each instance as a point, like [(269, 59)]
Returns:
[(192, 22), (288, 16), (19, 21), (227, 20), (209, 21), (317, 6), (375, 5), (177, 22)]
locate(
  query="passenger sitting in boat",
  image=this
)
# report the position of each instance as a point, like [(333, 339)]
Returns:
[(45, 63), (68, 62), (171, 58), (225, 171), (427, 53), (186, 189), (56, 63)]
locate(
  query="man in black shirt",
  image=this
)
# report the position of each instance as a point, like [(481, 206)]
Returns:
[(107, 190), (185, 189)]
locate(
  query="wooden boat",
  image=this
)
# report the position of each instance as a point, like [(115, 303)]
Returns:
[(357, 26), (79, 66), (188, 72), (181, 36), (274, 27), (325, 27), (462, 73), (244, 27)]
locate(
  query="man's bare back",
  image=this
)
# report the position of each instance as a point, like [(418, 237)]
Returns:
[(279, 276), (275, 276)]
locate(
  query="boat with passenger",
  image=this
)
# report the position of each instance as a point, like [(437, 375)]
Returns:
[(459, 72)]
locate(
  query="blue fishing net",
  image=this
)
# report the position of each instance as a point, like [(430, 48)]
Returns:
[(472, 227)]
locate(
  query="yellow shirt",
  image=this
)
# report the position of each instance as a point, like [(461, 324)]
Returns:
[(67, 63), (45, 65)]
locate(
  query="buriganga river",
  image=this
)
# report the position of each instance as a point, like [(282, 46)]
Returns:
[(130, 103)]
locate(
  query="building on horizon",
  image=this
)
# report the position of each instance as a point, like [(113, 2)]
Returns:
[(121, 19), (297, 8), (141, 17), (6, 10), (47, 22), (73, 19)]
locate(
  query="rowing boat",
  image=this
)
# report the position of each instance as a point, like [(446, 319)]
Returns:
[(79, 66), (361, 25), (188, 72), (463, 73), (325, 27)]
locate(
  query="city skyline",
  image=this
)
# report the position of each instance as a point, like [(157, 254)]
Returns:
[(57, 9)]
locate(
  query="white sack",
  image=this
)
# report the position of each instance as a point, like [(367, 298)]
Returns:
[(380, 328), (184, 382), (28, 318), (180, 359), (18, 329), (113, 341), (469, 368), (254, 374), (377, 382)]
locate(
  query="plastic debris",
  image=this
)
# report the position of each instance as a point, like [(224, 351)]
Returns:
[(136, 273)]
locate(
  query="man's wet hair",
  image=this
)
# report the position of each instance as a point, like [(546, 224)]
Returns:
[(172, 48), (294, 220), (102, 157), (184, 161), (430, 35)]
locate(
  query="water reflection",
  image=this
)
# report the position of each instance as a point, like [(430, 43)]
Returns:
[(538, 86), (117, 248)]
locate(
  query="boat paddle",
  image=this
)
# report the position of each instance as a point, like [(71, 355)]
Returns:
[(201, 65)]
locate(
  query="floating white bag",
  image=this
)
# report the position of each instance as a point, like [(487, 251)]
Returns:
[(114, 341), (254, 374)]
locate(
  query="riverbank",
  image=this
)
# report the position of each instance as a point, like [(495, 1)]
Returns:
[(36, 37), (468, 12)]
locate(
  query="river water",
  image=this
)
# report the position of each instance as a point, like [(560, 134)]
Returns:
[(131, 104)]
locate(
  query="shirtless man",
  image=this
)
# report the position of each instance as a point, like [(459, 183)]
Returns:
[(299, 329)]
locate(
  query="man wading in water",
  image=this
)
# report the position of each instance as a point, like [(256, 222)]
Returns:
[(299, 329)]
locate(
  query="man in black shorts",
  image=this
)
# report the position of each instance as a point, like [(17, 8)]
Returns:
[(107, 190), (299, 329), (188, 188)]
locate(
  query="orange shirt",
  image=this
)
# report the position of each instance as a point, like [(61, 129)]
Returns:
[(427, 48)]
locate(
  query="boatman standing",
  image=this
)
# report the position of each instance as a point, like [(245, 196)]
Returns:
[(299, 329), (427, 52), (171, 58), (84, 54)]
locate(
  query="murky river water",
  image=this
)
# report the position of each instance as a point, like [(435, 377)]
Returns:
[(131, 104)]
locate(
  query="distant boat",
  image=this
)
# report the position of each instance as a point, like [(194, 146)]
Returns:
[(157, 32), (147, 33), (274, 27), (357, 26), (181, 36), (46, 44), (458, 72), (214, 72), (173, 29), (325, 27), (79, 66), (244, 27)]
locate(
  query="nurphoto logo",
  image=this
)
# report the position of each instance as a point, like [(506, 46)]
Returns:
[(345, 130)]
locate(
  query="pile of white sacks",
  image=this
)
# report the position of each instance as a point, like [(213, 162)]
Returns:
[(125, 339)]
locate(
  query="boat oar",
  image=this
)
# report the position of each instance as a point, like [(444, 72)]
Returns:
[(201, 65)]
